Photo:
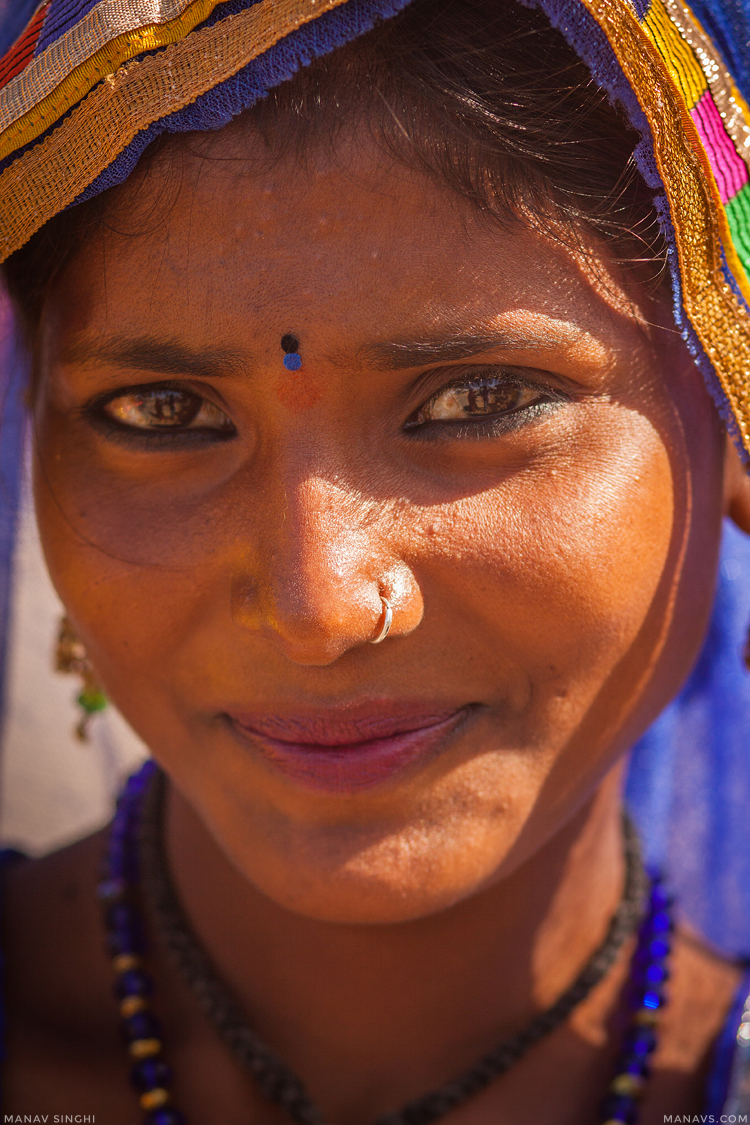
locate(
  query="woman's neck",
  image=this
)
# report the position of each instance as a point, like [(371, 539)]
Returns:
[(370, 1016)]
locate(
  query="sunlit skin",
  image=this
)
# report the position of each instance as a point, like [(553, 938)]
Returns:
[(551, 572)]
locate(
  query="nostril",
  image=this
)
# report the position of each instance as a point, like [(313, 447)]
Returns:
[(308, 625)]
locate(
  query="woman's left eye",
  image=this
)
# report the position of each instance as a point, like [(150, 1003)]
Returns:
[(166, 408), (479, 398)]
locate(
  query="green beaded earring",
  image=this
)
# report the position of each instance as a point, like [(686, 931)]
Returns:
[(71, 658)]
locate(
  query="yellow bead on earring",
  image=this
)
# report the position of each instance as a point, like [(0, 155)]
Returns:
[(71, 657)]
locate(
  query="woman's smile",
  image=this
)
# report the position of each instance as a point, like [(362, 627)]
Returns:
[(347, 753)]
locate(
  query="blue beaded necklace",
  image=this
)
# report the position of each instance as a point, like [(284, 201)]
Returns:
[(151, 1076), (648, 975)]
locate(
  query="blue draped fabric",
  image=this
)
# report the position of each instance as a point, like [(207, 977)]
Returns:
[(689, 779), (728, 24)]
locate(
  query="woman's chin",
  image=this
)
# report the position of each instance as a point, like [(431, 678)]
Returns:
[(375, 870)]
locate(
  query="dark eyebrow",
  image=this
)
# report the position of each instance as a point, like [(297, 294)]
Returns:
[(167, 357), (413, 353)]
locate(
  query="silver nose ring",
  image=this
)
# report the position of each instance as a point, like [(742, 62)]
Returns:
[(387, 620)]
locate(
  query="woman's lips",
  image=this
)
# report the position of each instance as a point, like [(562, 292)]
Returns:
[(347, 754)]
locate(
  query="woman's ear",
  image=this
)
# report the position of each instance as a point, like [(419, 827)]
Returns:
[(736, 488)]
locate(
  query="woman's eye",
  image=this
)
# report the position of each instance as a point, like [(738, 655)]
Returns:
[(166, 408), (481, 397)]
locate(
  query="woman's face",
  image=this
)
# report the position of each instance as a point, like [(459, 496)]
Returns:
[(495, 436)]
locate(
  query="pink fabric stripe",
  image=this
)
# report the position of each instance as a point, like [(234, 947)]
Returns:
[(728, 168)]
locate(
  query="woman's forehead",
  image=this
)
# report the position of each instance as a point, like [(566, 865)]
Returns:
[(381, 254)]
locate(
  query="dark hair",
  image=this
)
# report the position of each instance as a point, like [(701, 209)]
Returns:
[(483, 95)]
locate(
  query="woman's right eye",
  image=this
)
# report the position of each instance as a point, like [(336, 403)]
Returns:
[(166, 408)]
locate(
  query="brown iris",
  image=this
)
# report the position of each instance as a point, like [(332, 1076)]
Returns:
[(166, 408), (477, 398)]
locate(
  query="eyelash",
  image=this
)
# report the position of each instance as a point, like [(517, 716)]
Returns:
[(159, 436), (477, 428), (482, 426)]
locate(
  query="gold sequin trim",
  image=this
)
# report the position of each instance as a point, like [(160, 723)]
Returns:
[(719, 319), (44, 180)]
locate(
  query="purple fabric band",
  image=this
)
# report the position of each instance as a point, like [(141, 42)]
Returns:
[(230, 98)]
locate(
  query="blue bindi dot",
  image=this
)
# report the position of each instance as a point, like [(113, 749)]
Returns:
[(292, 359)]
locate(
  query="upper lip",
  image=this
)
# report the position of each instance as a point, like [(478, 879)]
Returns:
[(345, 726)]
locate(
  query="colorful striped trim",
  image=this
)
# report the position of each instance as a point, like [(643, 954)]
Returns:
[(19, 92), (22, 51), (670, 84), (51, 175), (732, 107), (731, 130), (103, 64), (690, 65)]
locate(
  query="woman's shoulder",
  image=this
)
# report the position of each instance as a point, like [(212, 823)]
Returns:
[(57, 986), (51, 931), (699, 1027)]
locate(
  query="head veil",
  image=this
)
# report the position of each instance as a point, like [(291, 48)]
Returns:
[(86, 85)]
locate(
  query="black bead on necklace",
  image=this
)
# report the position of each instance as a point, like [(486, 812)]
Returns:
[(136, 864)]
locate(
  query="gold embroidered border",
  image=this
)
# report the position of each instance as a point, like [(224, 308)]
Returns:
[(52, 174), (720, 320), (102, 64), (105, 22), (732, 107)]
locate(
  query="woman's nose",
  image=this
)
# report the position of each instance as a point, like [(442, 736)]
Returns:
[(323, 576)]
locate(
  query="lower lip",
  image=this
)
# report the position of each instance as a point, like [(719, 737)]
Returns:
[(357, 765)]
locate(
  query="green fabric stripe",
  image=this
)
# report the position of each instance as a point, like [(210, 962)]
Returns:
[(738, 214)]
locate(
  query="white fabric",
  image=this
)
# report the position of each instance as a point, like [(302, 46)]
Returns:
[(53, 788)]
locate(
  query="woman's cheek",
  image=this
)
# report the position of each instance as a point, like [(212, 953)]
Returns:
[(565, 557), (166, 509)]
